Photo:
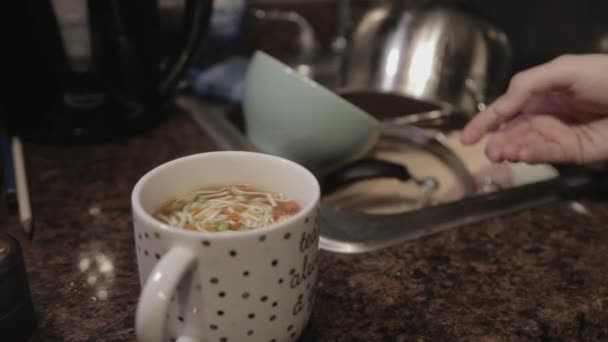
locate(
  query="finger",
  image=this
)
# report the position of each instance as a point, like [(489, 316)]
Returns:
[(484, 122), (530, 146), (535, 149), (547, 153), (494, 148), (549, 140), (511, 152), (557, 74), (505, 144), (561, 139)]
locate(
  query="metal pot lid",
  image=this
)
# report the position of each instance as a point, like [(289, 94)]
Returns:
[(438, 177), (371, 214)]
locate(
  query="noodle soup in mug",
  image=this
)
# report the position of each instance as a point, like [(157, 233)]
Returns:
[(235, 207), (251, 284)]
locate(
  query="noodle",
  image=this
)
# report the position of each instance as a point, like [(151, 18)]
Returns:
[(234, 208)]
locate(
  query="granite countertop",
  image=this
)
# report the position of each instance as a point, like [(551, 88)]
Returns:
[(537, 275)]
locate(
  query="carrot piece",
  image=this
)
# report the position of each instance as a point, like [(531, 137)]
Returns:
[(240, 208), (189, 226), (291, 207), (236, 225), (195, 210), (211, 228), (285, 208)]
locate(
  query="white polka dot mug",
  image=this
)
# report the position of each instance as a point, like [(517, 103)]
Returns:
[(255, 285)]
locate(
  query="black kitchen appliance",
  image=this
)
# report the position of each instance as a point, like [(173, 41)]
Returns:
[(91, 70), (17, 317)]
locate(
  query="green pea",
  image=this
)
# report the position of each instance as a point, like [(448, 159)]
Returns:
[(223, 226)]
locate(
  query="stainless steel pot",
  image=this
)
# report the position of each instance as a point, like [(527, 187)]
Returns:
[(438, 54)]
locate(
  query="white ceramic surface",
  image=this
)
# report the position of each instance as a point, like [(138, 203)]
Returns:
[(294, 117), (254, 285)]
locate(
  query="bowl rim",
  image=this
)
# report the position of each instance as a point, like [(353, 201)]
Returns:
[(321, 89)]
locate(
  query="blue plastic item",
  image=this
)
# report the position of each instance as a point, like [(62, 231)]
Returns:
[(224, 81)]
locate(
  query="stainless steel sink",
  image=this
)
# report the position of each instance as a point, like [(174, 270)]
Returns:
[(344, 231)]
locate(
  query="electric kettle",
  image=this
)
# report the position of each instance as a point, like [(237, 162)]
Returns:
[(93, 70)]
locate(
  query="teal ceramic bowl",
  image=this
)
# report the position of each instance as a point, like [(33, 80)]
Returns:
[(296, 118)]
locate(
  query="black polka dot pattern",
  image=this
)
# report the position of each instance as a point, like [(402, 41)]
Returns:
[(271, 318)]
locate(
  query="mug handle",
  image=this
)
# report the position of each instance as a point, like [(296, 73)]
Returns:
[(153, 305)]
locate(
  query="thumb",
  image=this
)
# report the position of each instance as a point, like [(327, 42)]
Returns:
[(560, 73)]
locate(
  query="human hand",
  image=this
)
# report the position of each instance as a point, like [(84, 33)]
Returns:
[(553, 113)]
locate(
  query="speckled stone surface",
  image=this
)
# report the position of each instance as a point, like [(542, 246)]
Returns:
[(539, 275)]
